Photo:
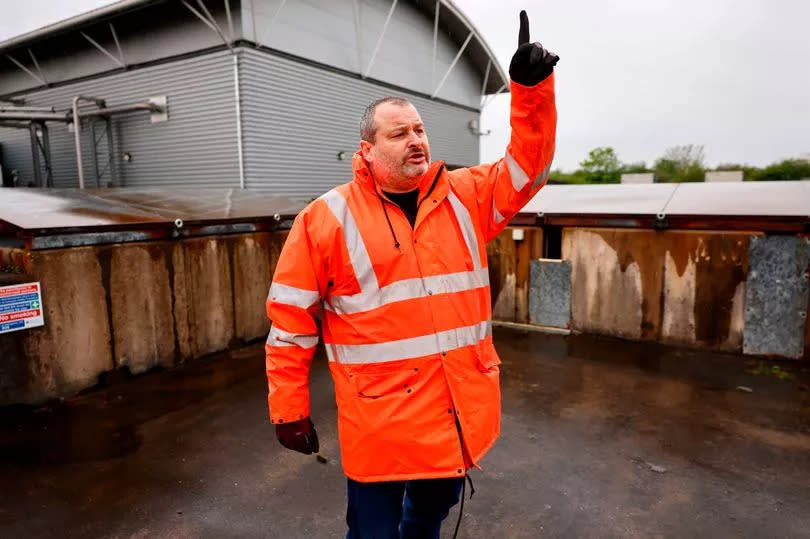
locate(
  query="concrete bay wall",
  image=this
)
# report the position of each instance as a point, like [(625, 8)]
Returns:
[(509, 263), (135, 305), (685, 287)]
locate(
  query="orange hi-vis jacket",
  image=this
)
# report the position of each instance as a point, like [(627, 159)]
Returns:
[(407, 329)]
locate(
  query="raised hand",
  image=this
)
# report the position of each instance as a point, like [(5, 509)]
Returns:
[(531, 63)]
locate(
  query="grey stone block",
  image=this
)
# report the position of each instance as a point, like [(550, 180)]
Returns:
[(776, 297), (550, 293)]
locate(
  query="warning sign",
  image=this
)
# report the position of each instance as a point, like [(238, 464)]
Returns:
[(20, 307)]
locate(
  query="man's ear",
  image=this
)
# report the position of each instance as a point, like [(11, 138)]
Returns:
[(365, 149)]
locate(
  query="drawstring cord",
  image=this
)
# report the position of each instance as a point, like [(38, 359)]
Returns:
[(461, 508), (390, 226)]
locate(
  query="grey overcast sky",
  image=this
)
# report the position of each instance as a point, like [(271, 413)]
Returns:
[(637, 75)]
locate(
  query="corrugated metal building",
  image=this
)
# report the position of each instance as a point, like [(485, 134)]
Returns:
[(261, 94)]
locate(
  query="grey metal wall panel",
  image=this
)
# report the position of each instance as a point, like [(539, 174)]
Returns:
[(196, 147), (325, 32), (296, 118), (145, 35)]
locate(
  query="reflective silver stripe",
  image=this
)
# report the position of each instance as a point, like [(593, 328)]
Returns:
[(371, 295), (519, 177), (363, 270), (410, 289), (542, 177), (425, 345), (290, 295), (467, 228), (496, 215), (279, 337)]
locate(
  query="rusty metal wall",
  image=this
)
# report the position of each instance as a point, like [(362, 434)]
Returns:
[(684, 287), (508, 261), (136, 305)]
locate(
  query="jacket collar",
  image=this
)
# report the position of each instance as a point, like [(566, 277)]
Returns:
[(432, 182)]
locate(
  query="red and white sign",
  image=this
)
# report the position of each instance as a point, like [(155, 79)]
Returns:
[(20, 307)]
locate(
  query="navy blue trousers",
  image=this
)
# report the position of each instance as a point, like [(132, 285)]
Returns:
[(400, 509)]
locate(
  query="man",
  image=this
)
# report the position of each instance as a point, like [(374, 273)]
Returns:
[(394, 263)]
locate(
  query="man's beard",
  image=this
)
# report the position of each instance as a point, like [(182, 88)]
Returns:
[(412, 170), (403, 176)]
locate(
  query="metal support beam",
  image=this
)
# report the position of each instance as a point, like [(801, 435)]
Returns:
[(104, 51), (135, 107), (34, 116), (210, 23), (358, 35), (213, 21), (486, 77), (110, 151), (118, 46), (435, 42), (46, 153), (271, 21), (453, 64), (380, 39), (493, 96), (27, 109), (31, 73), (14, 124), (36, 65), (96, 171), (32, 129), (230, 19)]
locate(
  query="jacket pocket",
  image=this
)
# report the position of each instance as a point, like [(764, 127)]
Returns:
[(488, 359), (373, 385)]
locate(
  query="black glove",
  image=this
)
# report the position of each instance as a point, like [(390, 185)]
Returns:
[(298, 435), (531, 63)]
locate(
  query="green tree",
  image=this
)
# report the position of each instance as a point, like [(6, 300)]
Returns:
[(680, 164), (602, 166), (634, 168), (787, 170)]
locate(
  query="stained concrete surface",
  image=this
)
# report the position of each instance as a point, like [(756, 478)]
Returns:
[(600, 438)]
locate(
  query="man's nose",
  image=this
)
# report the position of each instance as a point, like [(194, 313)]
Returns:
[(414, 140)]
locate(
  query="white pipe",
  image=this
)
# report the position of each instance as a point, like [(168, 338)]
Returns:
[(238, 121), (77, 135), (77, 132)]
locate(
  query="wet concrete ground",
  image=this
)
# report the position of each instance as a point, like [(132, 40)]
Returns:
[(601, 438)]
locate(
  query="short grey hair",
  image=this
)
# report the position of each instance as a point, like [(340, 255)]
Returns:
[(368, 129)]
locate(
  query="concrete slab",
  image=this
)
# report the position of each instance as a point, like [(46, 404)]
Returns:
[(776, 299), (253, 255), (141, 305), (600, 438), (550, 293), (203, 296), (73, 348)]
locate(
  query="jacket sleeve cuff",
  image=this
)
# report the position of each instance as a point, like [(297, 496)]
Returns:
[(528, 95)]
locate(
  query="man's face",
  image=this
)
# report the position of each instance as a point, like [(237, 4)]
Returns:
[(400, 153)]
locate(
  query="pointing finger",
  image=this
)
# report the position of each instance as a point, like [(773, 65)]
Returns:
[(523, 35)]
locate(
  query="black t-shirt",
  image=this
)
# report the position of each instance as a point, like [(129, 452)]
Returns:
[(407, 203)]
